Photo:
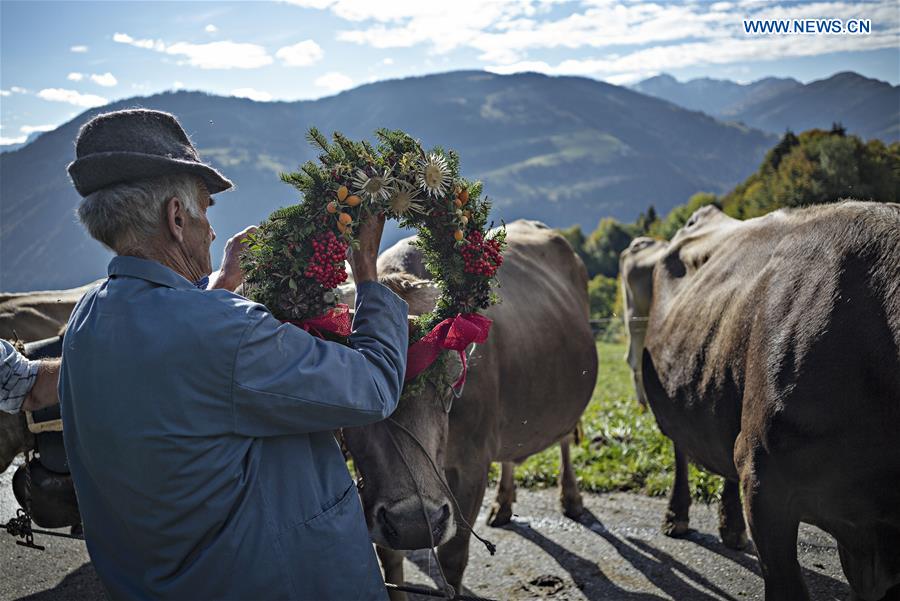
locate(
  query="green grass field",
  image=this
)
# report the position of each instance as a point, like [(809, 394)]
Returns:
[(622, 448)]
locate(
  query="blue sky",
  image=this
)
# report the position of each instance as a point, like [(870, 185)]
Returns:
[(59, 58)]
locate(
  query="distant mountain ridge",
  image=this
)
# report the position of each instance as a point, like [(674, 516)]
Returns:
[(866, 107), (560, 149)]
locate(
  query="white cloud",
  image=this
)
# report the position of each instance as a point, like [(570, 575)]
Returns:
[(5, 92), (212, 55), (177, 85), (301, 54), (18, 90), (666, 58), (387, 61), (107, 80), (124, 38), (222, 55), (29, 129), (4, 141), (78, 49), (211, 28), (71, 97), (75, 76), (334, 82), (505, 32), (252, 94)]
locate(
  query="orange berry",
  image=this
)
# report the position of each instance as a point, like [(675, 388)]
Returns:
[(353, 200), (458, 235), (457, 203), (331, 207), (341, 227), (464, 219), (464, 196), (345, 219), (468, 214), (342, 193)]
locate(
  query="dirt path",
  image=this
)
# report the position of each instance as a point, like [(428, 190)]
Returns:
[(615, 552)]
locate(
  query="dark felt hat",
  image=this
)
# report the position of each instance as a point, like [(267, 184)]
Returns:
[(125, 146)]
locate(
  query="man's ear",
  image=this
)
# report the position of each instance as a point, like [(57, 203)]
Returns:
[(176, 218)]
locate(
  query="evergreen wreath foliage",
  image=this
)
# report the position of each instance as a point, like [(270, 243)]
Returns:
[(294, 261)]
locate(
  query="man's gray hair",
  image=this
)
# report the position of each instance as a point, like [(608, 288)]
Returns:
[(124, 215)]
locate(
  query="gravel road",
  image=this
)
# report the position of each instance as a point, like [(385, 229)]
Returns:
[(615, 552)]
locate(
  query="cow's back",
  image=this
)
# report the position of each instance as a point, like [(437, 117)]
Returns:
[(823, 371), (773, 353), (36, 315), (530, 382)]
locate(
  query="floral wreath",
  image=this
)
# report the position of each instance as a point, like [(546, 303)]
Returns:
[(294, 261)]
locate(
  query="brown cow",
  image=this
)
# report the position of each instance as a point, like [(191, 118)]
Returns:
[(773, 357), (636, 269), (30, 316), (527, 387), (36, 315)]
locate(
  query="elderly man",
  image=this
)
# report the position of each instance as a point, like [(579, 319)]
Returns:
[(198, 427)]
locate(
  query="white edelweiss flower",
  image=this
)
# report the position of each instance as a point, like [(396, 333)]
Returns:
[(433, 175), (374, 187)]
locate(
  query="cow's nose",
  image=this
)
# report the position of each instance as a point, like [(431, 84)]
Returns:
[(402, 525), (438, 520)]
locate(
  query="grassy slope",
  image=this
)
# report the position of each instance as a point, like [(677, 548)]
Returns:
[(622, 448)]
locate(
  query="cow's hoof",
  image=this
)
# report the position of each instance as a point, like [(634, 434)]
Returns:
[(674, 527), (500, 515), (734, 540), (572, 507)]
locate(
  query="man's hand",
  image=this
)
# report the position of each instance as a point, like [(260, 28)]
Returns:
[(44, 392), (363, 259), (230, 275)]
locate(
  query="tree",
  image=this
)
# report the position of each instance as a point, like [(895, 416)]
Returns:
[(602, 295), (607, 242)]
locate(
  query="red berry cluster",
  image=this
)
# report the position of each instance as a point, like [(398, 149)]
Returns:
[(326, 266), (482, 257)]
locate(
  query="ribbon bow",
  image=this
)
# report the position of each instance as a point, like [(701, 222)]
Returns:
[(453, 334), (335, 321)]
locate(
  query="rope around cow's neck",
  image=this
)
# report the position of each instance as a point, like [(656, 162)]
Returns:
[(449, 591), (491, 547)]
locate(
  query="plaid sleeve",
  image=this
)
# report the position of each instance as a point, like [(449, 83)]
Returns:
[(17, 375)]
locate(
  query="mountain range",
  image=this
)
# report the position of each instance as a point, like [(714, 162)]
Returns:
[(564, 150), (866, 107)]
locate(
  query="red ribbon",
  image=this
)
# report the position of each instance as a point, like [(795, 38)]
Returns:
[(335, 321), (453, 334)]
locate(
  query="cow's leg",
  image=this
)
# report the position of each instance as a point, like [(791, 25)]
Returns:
[(468, 484), (773, 525), (501, 510), (392, 564), (677, 516), (732, 529), (569, 496)]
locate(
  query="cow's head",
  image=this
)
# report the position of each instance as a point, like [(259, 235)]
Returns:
[(401, 460), (636, 268)]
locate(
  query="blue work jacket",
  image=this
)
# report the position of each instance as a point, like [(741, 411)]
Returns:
[(199, 435)]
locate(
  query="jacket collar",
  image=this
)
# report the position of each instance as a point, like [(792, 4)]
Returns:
[(151, 271)]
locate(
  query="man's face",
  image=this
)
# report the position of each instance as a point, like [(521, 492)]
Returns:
[(199, 234)]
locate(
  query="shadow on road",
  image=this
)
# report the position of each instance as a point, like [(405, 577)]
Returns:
[(79, 585), (820, 586), (659, 568), (586, 574)]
